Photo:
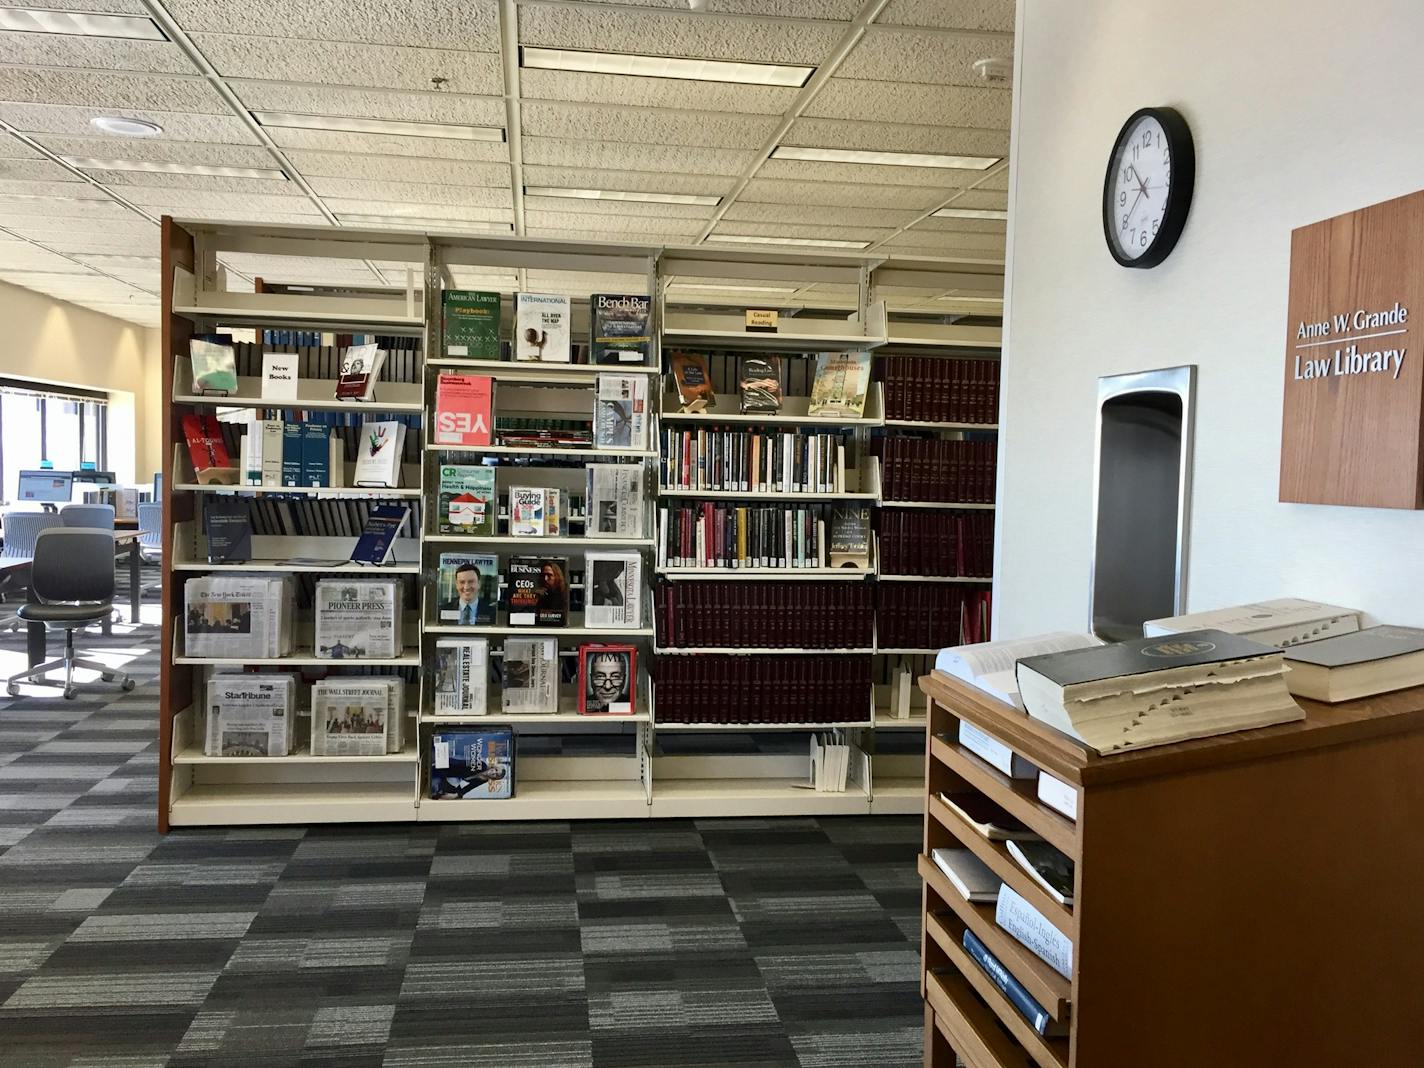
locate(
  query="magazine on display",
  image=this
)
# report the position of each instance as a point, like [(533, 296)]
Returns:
[(463, 409), (694, 381), (462, 677), (614, 501), (541, 327), (350, 717), (377, 541), (471, 324), (607, 680), (526, 511), (842, 379), (619, 328), (467, 589), (621, 412), (759, 384), (614, 583), (214, 364), (468, 501), (538, 591), (360, 367), (358, 619), (238, 618), (251, 715), (531, 676), (471, 765)]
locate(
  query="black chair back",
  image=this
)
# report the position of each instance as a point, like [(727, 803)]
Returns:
[(73, 564)]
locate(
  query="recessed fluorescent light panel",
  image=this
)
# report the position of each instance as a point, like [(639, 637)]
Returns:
[(79, 24), (813, 242), (416, 221), (619, 194), (971, 213), (642, 66), (892, 159), (89, 163), (448, 131), (123, 127)]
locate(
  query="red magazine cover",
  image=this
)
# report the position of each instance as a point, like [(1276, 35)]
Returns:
[(463, 409), (211, 462)]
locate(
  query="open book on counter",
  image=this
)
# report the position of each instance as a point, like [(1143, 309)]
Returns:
[(989, 666)]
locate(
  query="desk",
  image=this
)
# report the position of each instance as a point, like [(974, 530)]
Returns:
[(35, 632)]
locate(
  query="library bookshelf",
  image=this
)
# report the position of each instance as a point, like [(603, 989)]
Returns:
[(1244, 900), (629, 773)]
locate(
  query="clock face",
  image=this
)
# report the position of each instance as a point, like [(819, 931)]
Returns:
[(1148, 187)]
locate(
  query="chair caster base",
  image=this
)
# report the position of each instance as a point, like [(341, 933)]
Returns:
[(13, 689), (127, 686), (70, 693)]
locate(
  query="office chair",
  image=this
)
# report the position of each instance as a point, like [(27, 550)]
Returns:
[(73, 579), (22, 529), (97, 516), (150, 537)]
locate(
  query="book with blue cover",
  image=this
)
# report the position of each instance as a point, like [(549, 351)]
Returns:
[(1036, 1015), (378, 537), (228, 525), (472, 765)]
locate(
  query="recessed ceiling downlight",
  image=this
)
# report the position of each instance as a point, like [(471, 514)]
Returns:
[(125, 127)]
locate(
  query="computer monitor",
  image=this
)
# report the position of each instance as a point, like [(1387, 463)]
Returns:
[(88, 474), (45, 487)]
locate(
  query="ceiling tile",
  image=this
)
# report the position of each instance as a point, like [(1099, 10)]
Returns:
[(964, 226), (80, 213), (345, 143), (837, 10), (798, 170), (62, 190), (902, 102), (35, 170), (982, 198), (941, 239), (22, 256), (463, 24), (126, 182), (961, 15), (343, 63), (369, 103), (629, 181), (432, 196), (680, 94), (630, 224), (581, 206), (600, 154), (484, 205), (158, 149), (611, 236), (819, 213), (648, 126), (92, 53), (193, 202), (897, 137), (73, 120), (914, 252), (381, 168), (770, 191), (14, 148), (582, 283), (77, 242), (98, 90), (928, 58), (701, 35), (997, 182), (788, 229), (99, 7)]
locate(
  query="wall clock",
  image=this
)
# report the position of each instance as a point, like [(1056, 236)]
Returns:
[(1148, 187)]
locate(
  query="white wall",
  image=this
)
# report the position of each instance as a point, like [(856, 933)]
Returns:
[(48, 340), (1300, 110)]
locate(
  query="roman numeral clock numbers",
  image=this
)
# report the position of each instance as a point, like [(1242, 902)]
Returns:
[(1148, 187)]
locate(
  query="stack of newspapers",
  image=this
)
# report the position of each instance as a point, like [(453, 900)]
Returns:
[(358, 716), (251, 715), (238, 617), (358, 619)]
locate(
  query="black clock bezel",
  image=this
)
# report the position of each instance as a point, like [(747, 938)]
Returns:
[(1179, 195)]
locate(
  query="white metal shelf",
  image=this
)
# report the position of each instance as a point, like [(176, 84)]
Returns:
[(961, 505), (335, 567), (752, 495), (505, 630), (787, 342), (328, 492), (596, 452), (195, 755), (751, 797), (302, 657), (735, 650), (545, 799), (885, 721), (923, 424), (768, 574), (897, 797), (561, 541), (532, 718), (494, 367), (795, 411), (966, 579), (397, 314), (796, 726), (254, 804)]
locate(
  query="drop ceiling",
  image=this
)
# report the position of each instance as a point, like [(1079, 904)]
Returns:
[(887, 76)]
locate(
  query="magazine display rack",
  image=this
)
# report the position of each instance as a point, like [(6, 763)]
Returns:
[(700, 771)]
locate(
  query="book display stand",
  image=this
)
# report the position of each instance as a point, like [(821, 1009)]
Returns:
[(775, 652)]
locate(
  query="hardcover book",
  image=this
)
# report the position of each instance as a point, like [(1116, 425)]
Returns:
[(850, 536), (759, 383), (378, 454), (316, 454), (211, 463), (974, 880), (250, 715), (614, 499), (531, 676), (526, 511), (1048, 867), (462, 677), (470, 765), (614, 590), (842, 379), (694, 381), (607, 680), (463, 409), (1030, 927), (1036, 1015), (377, 540), (358, 619), (360, 367), (619, 324), (214, 364), (467, 502), (538, 591), (350, 717), (541, 327), (1362, 664), (471, 324), (292, 454), (227, 521), (621, 412), (467, 589), (1285, 621)]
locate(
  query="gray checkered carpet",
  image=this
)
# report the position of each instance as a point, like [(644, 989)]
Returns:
[(753, 943)]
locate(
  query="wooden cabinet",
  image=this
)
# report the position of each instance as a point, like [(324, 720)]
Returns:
[(1251, 900)]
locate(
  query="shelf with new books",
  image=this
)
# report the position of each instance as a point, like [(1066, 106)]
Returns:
[(792, 411), (303, 393)]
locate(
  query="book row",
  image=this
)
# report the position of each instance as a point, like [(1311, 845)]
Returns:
[(254, 715), (751, 461), (763, 689), (230, 520), (465, 413), (529, 675), (352, 371), (838, 390), (542, 327), (930, 616), (468, 503), (737, 536), (918, 542), (310, 449), (938, 390), (765, 615), (936, 469)]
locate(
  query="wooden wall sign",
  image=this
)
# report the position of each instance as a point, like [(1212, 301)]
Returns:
[(1353, 423)]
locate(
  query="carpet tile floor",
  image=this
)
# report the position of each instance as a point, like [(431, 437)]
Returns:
[(787, 943)]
